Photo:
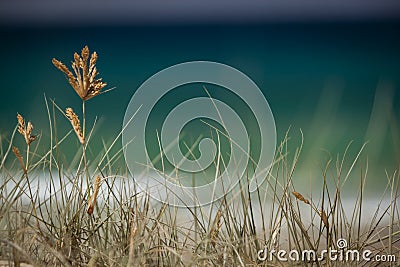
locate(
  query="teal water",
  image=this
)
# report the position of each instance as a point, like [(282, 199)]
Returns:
[(338, 82)]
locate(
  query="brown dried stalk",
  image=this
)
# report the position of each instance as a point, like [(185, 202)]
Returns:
[(133, 231), (216, 227), (300, 197), (324, 218), (93, 198), (84, 82), (76, 124), (16, 152), (25, 131)]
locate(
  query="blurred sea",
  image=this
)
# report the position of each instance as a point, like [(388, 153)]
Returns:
[(337, 82)]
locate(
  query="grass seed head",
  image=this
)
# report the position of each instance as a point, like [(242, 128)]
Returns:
[(324, 218), (300, 197), (85, 81), (25, 130), (93, 198), (76, 124), (16, 152)]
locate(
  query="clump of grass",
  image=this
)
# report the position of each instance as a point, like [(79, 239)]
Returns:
[(108, 222), (86, 85)]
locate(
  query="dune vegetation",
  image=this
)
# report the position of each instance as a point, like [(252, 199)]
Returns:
[(87, 211)]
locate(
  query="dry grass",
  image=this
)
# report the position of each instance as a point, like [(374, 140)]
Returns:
[(106, 221)]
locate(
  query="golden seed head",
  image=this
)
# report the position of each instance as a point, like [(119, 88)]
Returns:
[(93, 198), (84, 81), (29, 128), (324, 218), (25, 131), (92, 63), (300, 197), (16, 152), (76, 124), (21, 124), (77, 58), (85, 53), (216, 227)]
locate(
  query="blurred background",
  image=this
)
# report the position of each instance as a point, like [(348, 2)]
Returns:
[(329, 69)]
